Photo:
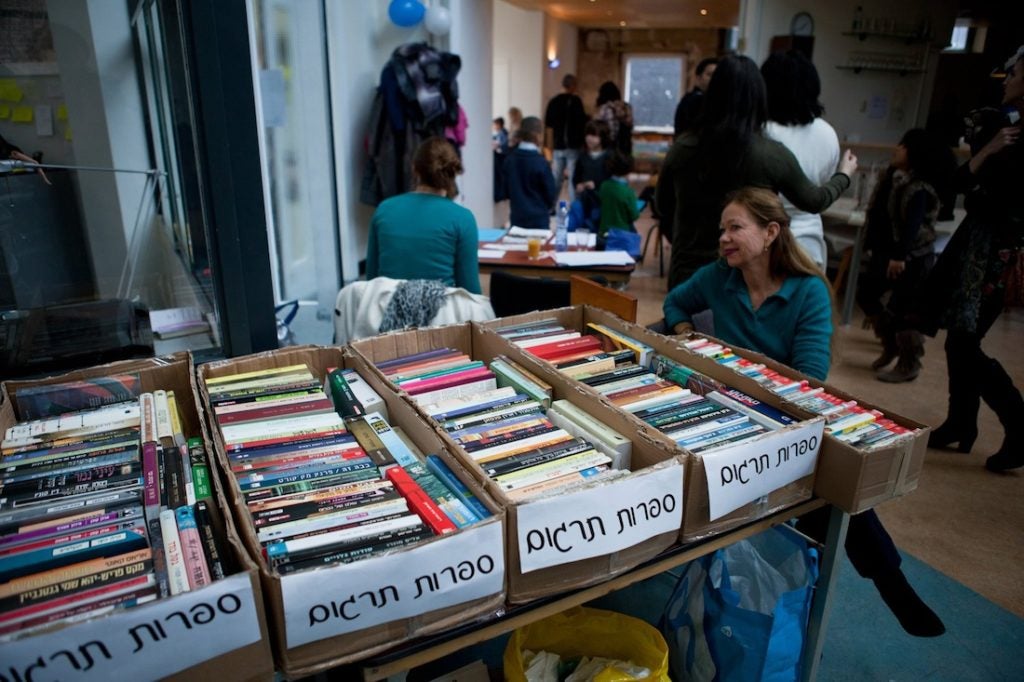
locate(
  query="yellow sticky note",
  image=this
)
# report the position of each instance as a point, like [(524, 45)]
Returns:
[(23, 115), (10, 91), (62, 112), (5, 111), (67, 133)]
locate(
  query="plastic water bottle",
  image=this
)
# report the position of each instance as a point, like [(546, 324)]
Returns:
[(562, 227)]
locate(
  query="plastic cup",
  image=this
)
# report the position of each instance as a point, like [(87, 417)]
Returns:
[(533, 248), (582, 239)]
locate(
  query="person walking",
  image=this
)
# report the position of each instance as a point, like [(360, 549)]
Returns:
[(564, 120)]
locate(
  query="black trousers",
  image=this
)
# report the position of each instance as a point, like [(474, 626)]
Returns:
[(974, 375), (869, 546), (903, 302)]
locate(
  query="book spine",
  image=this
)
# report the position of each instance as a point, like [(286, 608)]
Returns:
[(420, 502), (211, 548), (448, 477), (192, 548), (345, 402), (177, 574)]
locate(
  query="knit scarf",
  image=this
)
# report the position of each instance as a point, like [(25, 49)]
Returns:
[(414, 304)]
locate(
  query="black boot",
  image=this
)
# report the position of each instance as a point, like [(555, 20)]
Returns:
[(954, 430), (910, 345), (885, 333), (913, 614), (1002, 396)]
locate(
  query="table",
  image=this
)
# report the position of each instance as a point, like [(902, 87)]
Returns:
[(426, 649), (518, 263)]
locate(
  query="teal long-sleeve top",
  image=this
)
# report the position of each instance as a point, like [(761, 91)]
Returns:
[(792, 326), (424, 236)]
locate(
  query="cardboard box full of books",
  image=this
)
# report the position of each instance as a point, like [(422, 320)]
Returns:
[(850, 476), (327, 608), (755, 468), (565, 530), (216, 630)]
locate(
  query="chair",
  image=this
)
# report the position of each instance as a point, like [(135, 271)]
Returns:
[(583, 291), (659, 247), (513, 294)]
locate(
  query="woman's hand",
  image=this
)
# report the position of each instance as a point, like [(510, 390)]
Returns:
[(895, 269), (1000, 141), (19, 156), (682, 328), (848, 164)]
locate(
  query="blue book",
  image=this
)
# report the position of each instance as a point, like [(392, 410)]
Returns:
[(437, 467)]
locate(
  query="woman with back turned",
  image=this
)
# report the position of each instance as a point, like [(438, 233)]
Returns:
[(423, 234)]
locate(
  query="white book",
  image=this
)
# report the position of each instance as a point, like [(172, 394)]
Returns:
[(163, 415), (488, 384), (367, 397), (582, 425), (466, 401), (269, 429), (569, 465), (461, 422), (177, 574), (623, 384), (530, 343)]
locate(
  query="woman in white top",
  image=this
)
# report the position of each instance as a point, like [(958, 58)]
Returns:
[(794, 119)]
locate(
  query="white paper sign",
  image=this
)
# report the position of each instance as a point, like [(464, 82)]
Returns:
[(745, 472), (332, 601), (600, 520), (162, 638), (585, 258)]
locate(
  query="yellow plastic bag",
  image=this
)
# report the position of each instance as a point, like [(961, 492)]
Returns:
[(582, 631)]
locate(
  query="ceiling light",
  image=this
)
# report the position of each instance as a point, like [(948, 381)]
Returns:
[(622, 23), (703, 12), (554, 63)]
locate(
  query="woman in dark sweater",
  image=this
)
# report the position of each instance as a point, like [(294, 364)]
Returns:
[(726, 151)]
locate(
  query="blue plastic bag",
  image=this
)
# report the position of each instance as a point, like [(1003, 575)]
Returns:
[(741, 613), (623, 240)]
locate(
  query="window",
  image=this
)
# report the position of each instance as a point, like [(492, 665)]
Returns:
[(653, 87)]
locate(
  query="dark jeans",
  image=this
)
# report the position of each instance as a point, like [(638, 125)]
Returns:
[(869, 546)]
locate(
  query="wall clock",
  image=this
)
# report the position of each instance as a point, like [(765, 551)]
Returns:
[(801, 25)]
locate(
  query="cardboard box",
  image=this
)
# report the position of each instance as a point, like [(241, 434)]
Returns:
[(848, 477), (700, 520), (175, 633), (575, 538), (340, 613)]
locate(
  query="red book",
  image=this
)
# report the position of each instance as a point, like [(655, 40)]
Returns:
[(419, 501), (630, 394), (275, 411), (449, 380), (583, 344)]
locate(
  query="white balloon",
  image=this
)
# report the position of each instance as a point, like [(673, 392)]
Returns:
[(437, 20)]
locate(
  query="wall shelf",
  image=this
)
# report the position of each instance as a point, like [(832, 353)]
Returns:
[(889, 69), (908, 38)]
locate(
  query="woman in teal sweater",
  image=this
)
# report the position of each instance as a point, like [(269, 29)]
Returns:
[(423, 234), (769, 296)]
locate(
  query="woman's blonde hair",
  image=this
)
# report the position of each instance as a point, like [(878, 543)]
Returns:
[(436, 163)]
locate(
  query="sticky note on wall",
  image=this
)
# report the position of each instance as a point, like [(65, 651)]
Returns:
[(5, 111), (62, 112), (10, 91), (22, 115)]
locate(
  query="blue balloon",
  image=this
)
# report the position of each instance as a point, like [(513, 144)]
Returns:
[(406, 12)]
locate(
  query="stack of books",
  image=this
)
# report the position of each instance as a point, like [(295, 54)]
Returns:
[(699, 415), (845, 420), (324, 480), (102, 509), (505, 420)]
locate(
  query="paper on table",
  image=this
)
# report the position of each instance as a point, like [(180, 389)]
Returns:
[(509, 247), (527, 232), (581, 258), (489, 254), (490, 234)]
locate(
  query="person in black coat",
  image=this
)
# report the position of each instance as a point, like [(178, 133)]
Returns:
[(529, 184)]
